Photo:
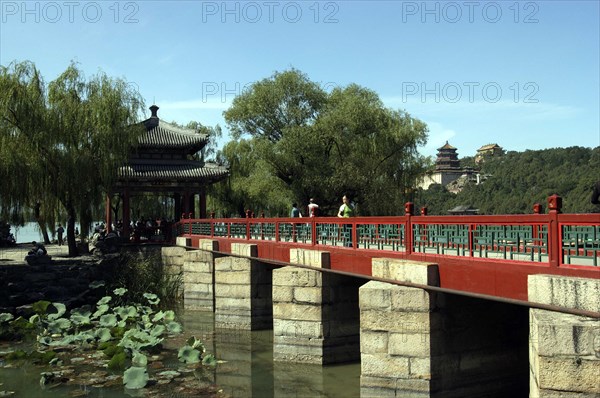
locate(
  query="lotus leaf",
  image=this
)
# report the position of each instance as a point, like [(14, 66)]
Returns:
[(126, 312), (22, 323), (120, 291), (60, 310), (81, 316), (59, 325), (45, 340), (135, 377), (152, 298), (103, 334), (80, 319), (96, 284), (137, 339), (102, 309), (104, 300), (34, 319), (122, 324), (85, 336), (40, 307), (158, 316), (139, 360), (195, 343), (209, 360), (108, 320), (174, 327), (157, 330), (169, 316), (5, 317), (187, 354)]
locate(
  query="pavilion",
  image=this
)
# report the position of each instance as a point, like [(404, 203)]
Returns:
[(164, 162)]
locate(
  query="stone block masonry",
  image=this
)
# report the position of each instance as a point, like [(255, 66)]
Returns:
[(315, 314), (243, 296), (564, 350), (416, 343), (198, 276)]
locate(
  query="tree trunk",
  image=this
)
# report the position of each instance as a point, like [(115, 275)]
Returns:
[(41, 223), (71, 232)]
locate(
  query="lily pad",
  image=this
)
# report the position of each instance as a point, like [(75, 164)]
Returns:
[(135, 378), (120, 291), (104, 300), (5, 317), (108, 320), (60, 310), (139, 360), (187, 354)]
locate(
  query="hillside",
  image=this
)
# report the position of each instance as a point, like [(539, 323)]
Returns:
[(517, 180)]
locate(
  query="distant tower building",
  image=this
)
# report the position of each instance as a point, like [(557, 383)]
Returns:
[(447, 168), (488, 150), (447, 159)]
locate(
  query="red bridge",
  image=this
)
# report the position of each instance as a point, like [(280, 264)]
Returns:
[(490, 255)]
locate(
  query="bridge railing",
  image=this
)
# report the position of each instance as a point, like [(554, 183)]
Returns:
[(554, 239)]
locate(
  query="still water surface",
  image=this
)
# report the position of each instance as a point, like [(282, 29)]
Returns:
[(249, 370)]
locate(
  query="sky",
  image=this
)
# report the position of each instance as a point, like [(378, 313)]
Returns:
[(524, 75)]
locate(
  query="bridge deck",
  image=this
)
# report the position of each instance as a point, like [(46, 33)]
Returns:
[(479, 254)]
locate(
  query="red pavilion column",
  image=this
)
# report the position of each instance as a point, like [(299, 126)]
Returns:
[(126, 216)]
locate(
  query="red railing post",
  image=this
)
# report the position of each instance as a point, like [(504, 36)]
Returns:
[(313, 230), (248, 216), (408, 229), (554, 233), (424, 210), (537, 208)]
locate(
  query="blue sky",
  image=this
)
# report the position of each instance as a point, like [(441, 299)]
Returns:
[(525, 75)]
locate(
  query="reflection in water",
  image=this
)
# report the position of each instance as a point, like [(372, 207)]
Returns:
[(249, 370)]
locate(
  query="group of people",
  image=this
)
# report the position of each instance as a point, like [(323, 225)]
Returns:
[(346, 209)]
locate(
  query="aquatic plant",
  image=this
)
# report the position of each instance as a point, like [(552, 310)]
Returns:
[(123, 331)]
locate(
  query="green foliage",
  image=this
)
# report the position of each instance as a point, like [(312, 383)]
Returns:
[(517, 180), (71, 133), (117, 362), (304, 142), (142, 274)]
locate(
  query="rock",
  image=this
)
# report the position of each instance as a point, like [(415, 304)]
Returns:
[(38, 260)]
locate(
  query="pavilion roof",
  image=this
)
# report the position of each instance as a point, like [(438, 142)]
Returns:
[(446, 146), (181, 170), (160, 135)]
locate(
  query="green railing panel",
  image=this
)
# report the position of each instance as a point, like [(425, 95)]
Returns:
[(381, 236), (514, 242), (581, 244), (441, 239)]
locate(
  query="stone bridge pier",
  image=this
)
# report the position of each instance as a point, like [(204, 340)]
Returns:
[(411, 342), (419, 343)]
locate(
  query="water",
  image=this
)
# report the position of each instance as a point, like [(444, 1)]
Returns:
[(248, 370), (31, 231)]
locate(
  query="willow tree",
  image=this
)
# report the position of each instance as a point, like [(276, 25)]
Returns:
[(62, 142), (323, 145)]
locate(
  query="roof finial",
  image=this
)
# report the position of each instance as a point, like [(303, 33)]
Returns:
[(154, 110)]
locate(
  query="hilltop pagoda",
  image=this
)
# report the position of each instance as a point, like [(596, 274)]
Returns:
[(165, 161)]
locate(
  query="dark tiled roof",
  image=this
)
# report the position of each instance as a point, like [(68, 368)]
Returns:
[(180, 170), (162, 135)]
